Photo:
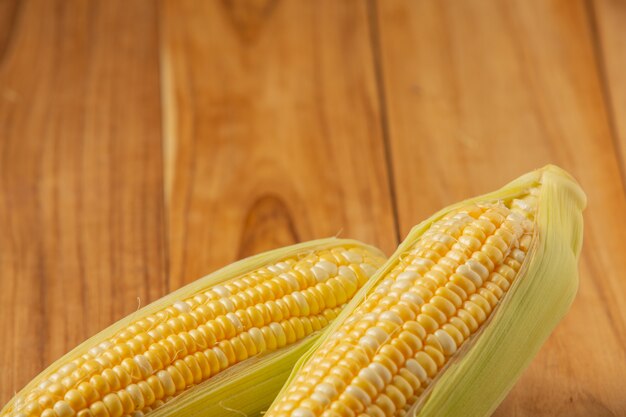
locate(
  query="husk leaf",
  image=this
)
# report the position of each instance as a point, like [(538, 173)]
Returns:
[(483, 371), (244, 389)]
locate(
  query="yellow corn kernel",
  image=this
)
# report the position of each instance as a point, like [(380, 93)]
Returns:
[(441, 299), (181, 342), (455, 298)]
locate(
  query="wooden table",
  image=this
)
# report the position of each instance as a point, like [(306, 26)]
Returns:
[(144, 144)]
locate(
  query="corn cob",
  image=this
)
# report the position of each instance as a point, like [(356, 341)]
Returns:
[(220, 333), (455, 315)]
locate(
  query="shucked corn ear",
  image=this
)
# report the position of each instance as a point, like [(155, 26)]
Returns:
[(233, 336), (455, 315)]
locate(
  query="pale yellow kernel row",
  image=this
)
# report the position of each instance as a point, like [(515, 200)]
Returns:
[(188, 370), (384, 356), (264, 310)]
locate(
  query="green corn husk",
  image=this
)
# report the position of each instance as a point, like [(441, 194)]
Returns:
[(485, 368), (245, 388)]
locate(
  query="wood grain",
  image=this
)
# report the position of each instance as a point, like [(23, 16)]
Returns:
[(608, 19), (144, 144), (273, 130), (480, 92), (81, 196)]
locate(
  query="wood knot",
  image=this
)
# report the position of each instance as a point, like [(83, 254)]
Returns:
[(268, 225), (248, 16)]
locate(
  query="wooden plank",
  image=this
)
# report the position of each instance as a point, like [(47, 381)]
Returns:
[(608, 17), (479, 92), (81, 195), (273, 129)]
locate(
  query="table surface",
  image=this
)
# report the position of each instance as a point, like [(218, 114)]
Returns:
[(144, 144)]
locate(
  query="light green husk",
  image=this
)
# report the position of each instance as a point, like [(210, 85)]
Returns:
[(487, 366), (246, 388)]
